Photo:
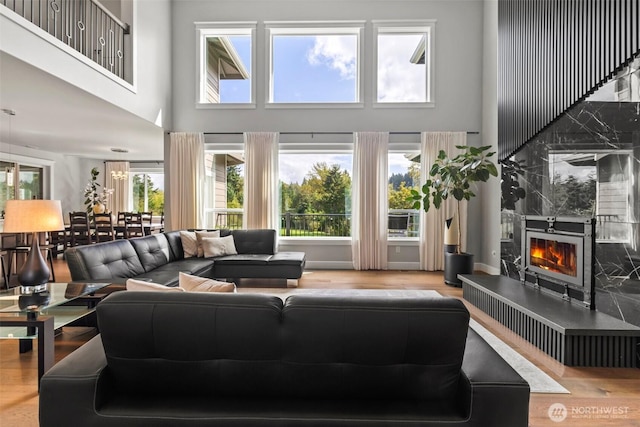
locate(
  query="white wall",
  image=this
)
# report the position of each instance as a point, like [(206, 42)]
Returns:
[(458, 70), (457, 89)]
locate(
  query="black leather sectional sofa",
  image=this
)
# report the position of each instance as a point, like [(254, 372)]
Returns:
[(185, 359), (160, 257)]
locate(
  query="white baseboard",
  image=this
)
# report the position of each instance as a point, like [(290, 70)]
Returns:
[(486, 268)]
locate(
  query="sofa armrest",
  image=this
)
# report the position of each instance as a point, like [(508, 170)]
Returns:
[(73, 381), (499, 395)]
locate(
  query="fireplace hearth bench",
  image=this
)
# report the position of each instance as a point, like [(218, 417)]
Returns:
[(573, 335), (173, 359), (160, 257)]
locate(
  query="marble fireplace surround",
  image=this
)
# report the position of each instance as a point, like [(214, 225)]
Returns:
[(587, 163)]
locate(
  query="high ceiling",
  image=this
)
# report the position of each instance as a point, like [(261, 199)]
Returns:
[(53, 115)]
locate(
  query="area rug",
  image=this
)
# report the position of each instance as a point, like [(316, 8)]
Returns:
[(539, 381)]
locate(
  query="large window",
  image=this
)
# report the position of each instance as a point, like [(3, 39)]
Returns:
[(314, 64), (403, 63), (224, 189), (225, 64), (21, 182), (404, 174), (148, 191), (315, 194)]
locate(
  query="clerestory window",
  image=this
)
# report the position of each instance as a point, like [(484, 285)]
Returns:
[(314, 63), (225, 64), (404, 57)]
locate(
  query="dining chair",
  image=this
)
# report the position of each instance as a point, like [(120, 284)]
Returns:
[(5, 277), (119, 226), (58, 240), (79, 229), (146, 219), (133, 225), (103, 224)]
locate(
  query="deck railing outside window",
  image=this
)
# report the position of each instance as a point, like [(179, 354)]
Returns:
[(402, 223), (84, 25)]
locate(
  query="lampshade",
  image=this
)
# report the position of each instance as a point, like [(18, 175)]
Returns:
[(32, 216)]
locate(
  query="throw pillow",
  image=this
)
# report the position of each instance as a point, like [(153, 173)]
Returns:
[(214, 247), (203, 234), (141, 285), (192, 283), (189, 243)]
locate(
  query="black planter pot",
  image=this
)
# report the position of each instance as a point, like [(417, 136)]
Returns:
[(455, 264)]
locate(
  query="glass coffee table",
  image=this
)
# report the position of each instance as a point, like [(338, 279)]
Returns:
[(38, 316)]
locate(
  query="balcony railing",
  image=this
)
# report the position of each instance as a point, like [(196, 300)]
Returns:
[(402, 223), (84, 25)]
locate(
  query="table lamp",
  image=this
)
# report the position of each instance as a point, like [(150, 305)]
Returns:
[(33, 216)]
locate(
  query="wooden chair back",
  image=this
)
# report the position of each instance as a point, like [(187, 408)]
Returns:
[(103, 224), (133, 226), (79, 230), (147, 220)]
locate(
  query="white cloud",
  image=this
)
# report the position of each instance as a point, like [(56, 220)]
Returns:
[(398, 79), (336, 52), (398, 163), (295, 167)]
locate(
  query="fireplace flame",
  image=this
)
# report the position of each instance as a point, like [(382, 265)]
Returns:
[(554, 256)]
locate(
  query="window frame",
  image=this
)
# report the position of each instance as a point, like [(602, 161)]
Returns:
[(310, 28), (210, 29), (210, 208), (143, 171), (426, 26), (338, 148), (403, 149), (47, 167)]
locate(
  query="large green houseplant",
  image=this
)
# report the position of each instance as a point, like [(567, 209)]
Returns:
[(455, 177)]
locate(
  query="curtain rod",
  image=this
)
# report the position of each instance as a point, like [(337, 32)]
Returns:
[(328, 133), (135, 161)]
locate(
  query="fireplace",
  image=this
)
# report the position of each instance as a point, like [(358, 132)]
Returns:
[(557, 257)]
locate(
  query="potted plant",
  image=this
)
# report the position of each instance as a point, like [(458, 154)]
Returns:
[(455, 177), (94, 200)]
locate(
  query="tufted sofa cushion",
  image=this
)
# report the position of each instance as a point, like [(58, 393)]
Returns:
[(254, 241), (372, 348), (153, 250), (214, 344), (105, 261)]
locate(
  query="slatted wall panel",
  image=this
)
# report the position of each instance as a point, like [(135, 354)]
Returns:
[(572, 350), (554, 53)]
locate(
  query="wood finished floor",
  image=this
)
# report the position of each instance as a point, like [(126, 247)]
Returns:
[(599, 396)]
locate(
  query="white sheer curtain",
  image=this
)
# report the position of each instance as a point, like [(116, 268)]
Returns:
[(433, 222), (261, 180), (119, 200), (186, 178), (369, 200)]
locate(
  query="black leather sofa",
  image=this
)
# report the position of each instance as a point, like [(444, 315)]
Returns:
[(180, 359), (160, 257)]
